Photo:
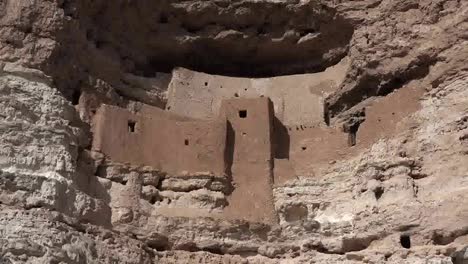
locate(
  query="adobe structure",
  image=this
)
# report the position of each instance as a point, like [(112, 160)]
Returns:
[(248, 133), (236, 145), (228, 141), (156, 138), (297, 99), (300, 121)]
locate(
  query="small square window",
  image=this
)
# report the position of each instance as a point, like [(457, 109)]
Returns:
[(243, 113), (186, 142), (131, 126), (163, 19)]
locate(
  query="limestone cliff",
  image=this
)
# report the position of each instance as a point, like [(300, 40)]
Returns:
[(368, 161)]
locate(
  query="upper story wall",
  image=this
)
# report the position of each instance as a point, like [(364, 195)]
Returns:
[(297, 99), (162, 140), (251, 123)]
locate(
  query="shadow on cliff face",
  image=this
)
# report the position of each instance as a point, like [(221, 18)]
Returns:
[(370, 85), (229, 38), (235, 38)]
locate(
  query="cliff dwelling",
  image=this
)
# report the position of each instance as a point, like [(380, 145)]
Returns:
[(240, 136), (234, 131)]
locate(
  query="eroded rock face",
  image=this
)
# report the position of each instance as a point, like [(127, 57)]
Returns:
[(397, 194), (262, 37)]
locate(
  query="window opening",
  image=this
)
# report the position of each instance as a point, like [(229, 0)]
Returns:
[(76, 97), (131, 126), (243, 113)]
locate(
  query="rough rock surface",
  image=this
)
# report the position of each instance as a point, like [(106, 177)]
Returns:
[(400, 200)]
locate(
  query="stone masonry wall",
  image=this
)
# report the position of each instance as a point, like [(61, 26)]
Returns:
[(297, 99), (159, 140)]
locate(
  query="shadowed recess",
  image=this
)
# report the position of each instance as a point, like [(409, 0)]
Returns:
[(266, 39)]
